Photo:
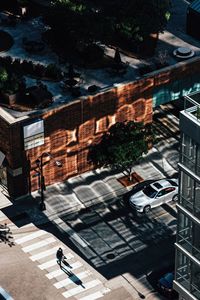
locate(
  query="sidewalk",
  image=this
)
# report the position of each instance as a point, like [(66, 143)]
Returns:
[(91, 188), (95, 193)]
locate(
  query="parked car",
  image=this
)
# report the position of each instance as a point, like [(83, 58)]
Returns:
[(165, 285), (161, 279), (155, 194)]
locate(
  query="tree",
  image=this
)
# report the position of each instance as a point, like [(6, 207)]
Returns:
[(120, 147), (102, 20)]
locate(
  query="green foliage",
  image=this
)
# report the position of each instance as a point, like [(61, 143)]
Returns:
[(122, 146), (23, 2), (89, 21), (9, 83), (53, 71), (3, 76)]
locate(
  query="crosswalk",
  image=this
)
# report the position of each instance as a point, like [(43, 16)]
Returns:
[(73, 279)]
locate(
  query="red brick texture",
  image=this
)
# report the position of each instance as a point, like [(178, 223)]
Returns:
[(71, 129)]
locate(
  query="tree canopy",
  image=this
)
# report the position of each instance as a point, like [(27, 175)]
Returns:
[(120, 147), (103, 20)]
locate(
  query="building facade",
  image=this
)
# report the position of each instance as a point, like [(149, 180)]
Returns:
[(66, 131), (187, 262)]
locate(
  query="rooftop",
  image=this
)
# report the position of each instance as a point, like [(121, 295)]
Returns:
[(172, 38)]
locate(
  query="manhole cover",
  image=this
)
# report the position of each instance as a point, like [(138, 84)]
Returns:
[(110, 255)]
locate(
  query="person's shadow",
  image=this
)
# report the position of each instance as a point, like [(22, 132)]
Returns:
[(66, 263), (71, 275)]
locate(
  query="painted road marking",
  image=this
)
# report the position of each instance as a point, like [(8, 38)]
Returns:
[(53, 262), (79, 289), (30, 237), (38, 245), (59, 272), (72, 279), (45, 253), (96, 295)]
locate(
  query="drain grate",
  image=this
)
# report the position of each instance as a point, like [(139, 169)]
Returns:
[(110, 256)]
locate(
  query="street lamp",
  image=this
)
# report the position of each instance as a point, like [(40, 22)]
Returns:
[(39, 163)]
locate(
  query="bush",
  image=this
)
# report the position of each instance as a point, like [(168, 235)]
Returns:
[(53, 71), (39, 70), (8, 61), (17, 65), (3, 76)]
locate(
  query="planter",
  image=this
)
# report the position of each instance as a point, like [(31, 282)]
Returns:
[(136, 178)]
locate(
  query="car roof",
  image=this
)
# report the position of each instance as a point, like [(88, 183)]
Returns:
[(160, 184), (167, 280)]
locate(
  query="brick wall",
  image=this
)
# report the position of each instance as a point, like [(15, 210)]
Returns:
[(70, 130)]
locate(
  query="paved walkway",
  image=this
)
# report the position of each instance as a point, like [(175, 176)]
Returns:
[(101, 191)]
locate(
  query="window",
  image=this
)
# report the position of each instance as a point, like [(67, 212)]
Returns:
[(197, 199), (188, 152), (157, 185), (188, 235), (184, 235), (165, 191), (149, 191), (187, 191)]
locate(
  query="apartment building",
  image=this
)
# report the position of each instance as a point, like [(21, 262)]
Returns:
[(187, 263)]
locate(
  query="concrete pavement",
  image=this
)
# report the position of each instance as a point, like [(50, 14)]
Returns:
[(92, 220)]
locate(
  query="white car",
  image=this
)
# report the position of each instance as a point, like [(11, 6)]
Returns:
[(155, 194)]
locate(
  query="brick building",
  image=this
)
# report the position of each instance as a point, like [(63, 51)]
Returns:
[(66, 131)]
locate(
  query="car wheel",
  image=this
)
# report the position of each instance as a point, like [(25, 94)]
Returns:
[(147, 209), (175, 198)]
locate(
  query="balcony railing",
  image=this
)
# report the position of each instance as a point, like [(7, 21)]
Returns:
[(192, 105)]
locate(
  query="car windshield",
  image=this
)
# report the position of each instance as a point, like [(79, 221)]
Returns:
[(149, 191)]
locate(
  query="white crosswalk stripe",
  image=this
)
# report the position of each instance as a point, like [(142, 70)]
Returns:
[(53, 262), (96, 295), (59, 272), (29, 237), (45, 253), (71, 279), (41, 248), (79, 289), (38, 245)]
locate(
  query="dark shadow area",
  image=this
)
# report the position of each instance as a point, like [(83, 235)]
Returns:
[(179, 16), (170, 210), (65, 263), (73, 277), (154, 276), (69, 273)]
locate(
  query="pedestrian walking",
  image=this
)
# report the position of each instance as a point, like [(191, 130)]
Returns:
[(59, 256)]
